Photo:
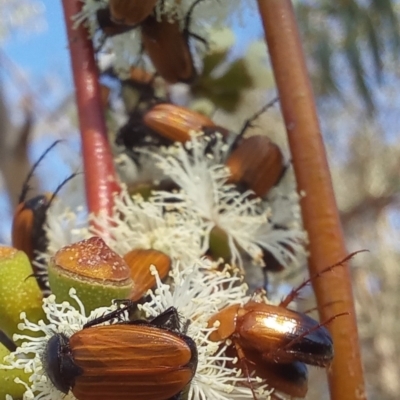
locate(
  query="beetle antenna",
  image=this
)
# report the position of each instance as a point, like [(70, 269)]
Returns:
[(249, 121), (245, 367), (188, 17), (42, 281), (25, 186), (60, 186), (294, 293), (127, 305)]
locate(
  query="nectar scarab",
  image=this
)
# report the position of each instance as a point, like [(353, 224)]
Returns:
[(132, 360)]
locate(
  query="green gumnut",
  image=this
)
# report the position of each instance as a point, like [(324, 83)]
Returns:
[(97, 273), (8, 376), (219, 245), (18, 291)]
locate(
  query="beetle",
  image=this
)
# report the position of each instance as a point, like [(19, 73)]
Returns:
[(139, 262), (256, 162), (168, 47), (108, 26), (28, 226), (263, 334), (130, 12), (135, 360), (174, 122)]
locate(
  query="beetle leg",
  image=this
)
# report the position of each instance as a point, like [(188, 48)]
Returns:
[(200, 39), (168, 319), (244, 366), (7, 342), (127, 306), (188, 17), (248, 123), (176, 397)]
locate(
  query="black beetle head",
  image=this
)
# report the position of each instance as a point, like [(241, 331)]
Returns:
[(59, 364)]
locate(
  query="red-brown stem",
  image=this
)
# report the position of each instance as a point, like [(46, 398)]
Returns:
[(100, 176), (320, 214)]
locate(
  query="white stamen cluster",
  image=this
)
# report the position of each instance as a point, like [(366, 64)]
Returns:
[(247, 222), (138, 224)]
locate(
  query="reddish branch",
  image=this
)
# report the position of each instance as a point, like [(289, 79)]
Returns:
[(100, 177), (320, 214)]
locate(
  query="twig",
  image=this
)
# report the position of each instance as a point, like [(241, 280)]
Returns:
[(320, 214), (100, 177)]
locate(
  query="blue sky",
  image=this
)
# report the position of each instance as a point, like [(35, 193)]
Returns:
[(39, 53)]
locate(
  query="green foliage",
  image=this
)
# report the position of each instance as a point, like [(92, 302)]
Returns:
[(224, 89), (361, 32)]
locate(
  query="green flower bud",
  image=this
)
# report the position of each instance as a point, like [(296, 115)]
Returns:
[(219, 245), (98, 274), (8, 376), (19, 291)]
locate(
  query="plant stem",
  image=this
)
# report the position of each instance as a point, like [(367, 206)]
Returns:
[(319, 210), (100, 176)]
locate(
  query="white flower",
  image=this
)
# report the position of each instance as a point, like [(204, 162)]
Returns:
[(65, 226), (138, 224), (249, 223), (135, 224), (62, 318), (198, 292)]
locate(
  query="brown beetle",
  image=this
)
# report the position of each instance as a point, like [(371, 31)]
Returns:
[(279, 334), (263, 334), (108, 26), (139, 262), (256, 162), (174, 122), (138, 360), (28, 227), (168, 47), (130, 12)]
